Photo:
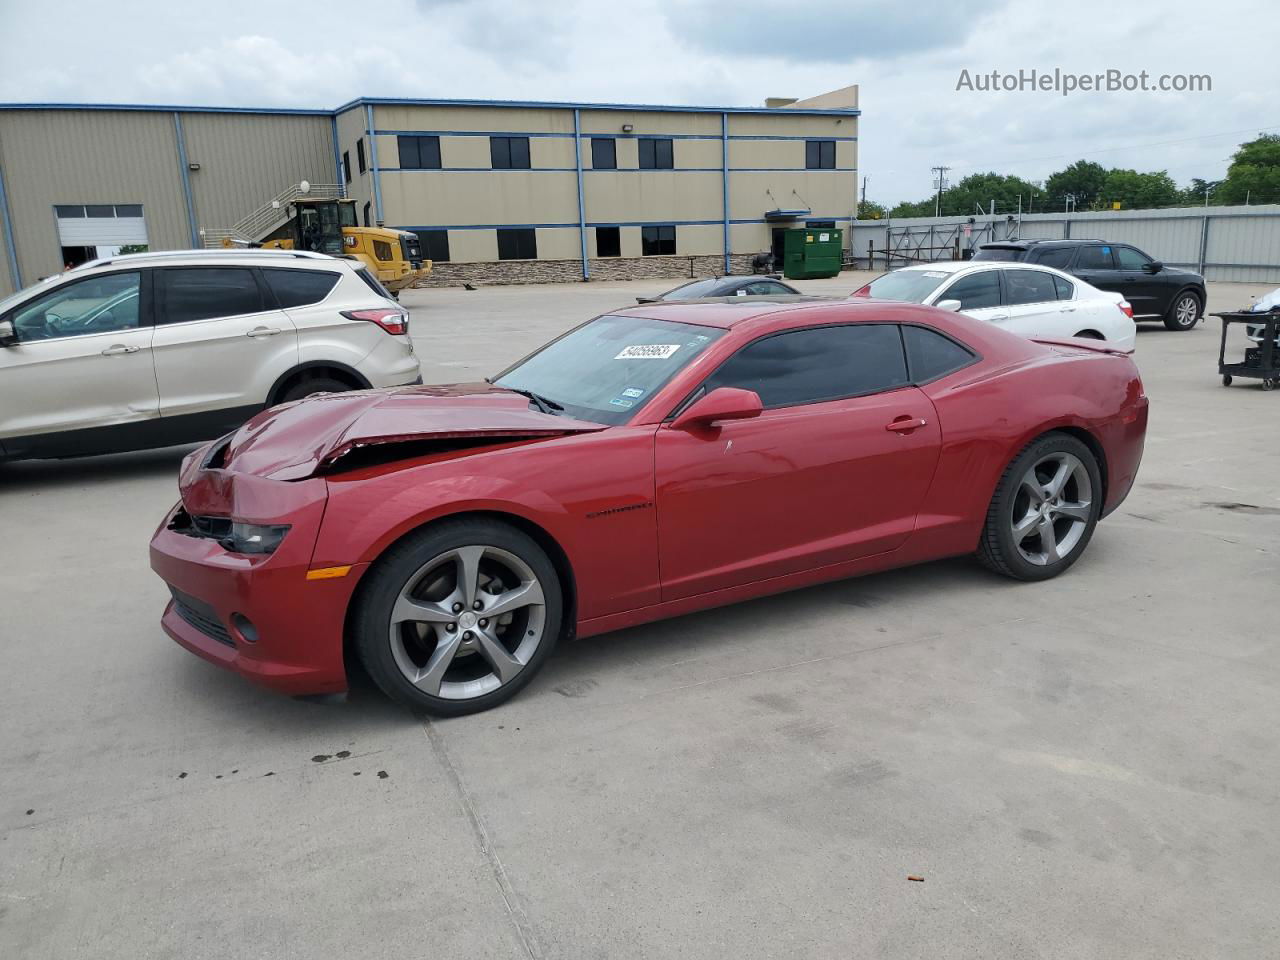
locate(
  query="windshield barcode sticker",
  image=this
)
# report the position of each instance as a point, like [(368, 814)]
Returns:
[(648, 351)]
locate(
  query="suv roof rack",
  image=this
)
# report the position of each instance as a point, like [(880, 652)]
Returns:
[(233, 252)]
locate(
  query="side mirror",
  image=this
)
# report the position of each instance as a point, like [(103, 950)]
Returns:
[(1155, 266), (8, 336), (952, 305), (722, 403)]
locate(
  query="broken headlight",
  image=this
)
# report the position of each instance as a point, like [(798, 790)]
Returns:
[(253, 537)]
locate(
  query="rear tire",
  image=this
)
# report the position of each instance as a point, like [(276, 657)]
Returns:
[(458, 617), (1044, 511), (1184, 312), (309, 388)]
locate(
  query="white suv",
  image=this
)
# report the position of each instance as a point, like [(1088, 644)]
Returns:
[(152, 349)]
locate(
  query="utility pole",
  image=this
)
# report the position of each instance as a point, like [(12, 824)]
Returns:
[(864, 189), (941, 173)]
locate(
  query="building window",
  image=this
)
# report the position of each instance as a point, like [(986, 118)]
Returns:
[(820, 224), (346, 166), (820, 154), (509, 153), (435, 245), (360, 155), (604, 153), (419, 153), (608, 241), (658, 241), (656, 155), (517, 243)]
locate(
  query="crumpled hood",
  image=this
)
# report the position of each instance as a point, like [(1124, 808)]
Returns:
[(294, 441)]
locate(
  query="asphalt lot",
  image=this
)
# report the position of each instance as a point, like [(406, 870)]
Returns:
[(1082, 768)]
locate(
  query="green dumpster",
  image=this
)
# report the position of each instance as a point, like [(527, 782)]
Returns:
[(809, 253)]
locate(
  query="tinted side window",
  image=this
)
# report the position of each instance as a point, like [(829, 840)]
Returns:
[(203, 292), (297, 288), (975, 291), (809, 366), (100, 304), (1058, 257), (1066, 289), (931, 355), (1094, 257), (1128, 258), (1028, 286)]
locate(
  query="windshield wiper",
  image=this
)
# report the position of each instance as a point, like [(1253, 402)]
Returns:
[(544, 404)]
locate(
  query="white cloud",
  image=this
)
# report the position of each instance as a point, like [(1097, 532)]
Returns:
[(325, 52)]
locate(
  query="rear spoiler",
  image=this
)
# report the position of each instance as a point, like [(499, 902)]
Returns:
[(1085, 343)]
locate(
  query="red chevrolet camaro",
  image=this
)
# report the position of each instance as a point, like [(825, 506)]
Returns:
[(651, 462)]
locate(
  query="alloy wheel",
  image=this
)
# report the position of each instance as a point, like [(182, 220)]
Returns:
[(1052, 508), (467, 622), (1185, 312)]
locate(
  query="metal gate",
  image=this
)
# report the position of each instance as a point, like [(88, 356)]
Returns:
[(928, 243)]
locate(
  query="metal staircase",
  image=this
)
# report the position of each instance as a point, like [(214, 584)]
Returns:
[(270, 216)]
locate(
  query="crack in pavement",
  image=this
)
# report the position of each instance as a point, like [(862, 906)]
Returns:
[(519, 919)]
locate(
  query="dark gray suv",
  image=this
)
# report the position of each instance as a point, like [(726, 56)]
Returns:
[(1155, 292)]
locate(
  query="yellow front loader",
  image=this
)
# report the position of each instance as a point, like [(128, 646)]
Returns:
[(329, 226)]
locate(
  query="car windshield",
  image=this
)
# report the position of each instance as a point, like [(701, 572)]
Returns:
[(691, 291), (606, 369), (908, 286), (999, 253)]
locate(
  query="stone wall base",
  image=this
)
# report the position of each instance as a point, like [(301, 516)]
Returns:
[(569, 271)]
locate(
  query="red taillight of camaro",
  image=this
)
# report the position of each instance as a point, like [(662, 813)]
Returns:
[(393, 321)]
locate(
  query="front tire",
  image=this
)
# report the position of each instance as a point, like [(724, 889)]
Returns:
[(1044, 511), (1184, 312), (458, 617)]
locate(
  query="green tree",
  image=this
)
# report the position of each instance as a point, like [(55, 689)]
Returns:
[(870, 210), (1195, 193), (1082, 181), (134, 248), (978, 190), (1136, 191), (1254, 174)]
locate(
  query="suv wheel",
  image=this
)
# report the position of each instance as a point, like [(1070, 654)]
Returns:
[(308, 388), (1184, 312)]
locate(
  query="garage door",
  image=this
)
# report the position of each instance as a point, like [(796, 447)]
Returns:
[(100, 224)]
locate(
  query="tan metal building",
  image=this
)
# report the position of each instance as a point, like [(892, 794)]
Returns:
[(499, 191)]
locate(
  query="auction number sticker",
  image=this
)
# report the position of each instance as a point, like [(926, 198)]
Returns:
[(648, 351)]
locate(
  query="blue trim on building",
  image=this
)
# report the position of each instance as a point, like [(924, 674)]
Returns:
[(10, 246), (411, 102), (340, 179), (724, 173), (192, 226), (637, 107), (582, 209), (471, 133), (743, 136), (614, 169), (373, 165)]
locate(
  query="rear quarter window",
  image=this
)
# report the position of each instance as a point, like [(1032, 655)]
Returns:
[(931, 355), (299, 288)]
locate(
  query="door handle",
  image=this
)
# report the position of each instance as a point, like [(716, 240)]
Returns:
[(1067, 309), (117, 349), (997, 317), (263, 332), (906, 424)]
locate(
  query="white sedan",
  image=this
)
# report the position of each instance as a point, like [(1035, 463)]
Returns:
[(1026, 300)]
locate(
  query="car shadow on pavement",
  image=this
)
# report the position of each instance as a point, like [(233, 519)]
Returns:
[(24, 475)]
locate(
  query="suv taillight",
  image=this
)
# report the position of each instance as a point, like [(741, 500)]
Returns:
[(391, 320), (1126, 308)]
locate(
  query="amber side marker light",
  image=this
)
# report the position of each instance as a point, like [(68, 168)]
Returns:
[(328, 573)]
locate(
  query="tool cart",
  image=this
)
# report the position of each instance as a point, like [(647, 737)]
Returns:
[(1262, 358)]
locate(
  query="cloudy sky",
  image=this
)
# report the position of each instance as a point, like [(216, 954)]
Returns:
[(907, 59)]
